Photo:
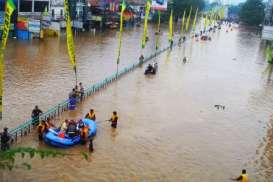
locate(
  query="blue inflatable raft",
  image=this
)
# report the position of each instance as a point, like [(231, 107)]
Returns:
[(52, 138)]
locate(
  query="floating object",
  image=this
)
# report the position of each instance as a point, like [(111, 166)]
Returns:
[(151, 71), (204, 37), (220, 107), (59, 139)]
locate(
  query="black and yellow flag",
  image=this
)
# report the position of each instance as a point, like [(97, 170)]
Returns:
[(123, 7), (158, 31), (69, 38), (147, 13), (10, 7)]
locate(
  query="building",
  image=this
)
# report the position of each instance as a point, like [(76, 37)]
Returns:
[(269, 13), (32, 5), (267, 31)]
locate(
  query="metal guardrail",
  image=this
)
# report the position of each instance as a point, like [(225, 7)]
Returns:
[(26, 127)]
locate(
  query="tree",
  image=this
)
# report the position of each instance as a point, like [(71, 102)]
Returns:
[(179, 6), (7, 158), (252, 12)]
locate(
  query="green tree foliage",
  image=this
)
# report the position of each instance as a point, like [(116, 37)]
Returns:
[(179, 6), (252, 12), (7, 158), (235, 9)]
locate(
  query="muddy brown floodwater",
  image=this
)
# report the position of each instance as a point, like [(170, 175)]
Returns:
[(169, 129)]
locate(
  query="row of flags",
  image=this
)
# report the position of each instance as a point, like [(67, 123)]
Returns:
[(10, 7)]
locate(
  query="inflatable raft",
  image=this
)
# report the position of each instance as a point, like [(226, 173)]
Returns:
[(52, 136)]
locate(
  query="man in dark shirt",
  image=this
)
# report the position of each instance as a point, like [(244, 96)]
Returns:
[(36, 112), (5, 139)]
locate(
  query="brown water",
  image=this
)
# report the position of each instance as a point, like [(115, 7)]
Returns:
[(169, 129)]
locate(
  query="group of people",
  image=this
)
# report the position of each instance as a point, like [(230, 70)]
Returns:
[(151, 69), (114, 118), (73, 128), (77, 92)]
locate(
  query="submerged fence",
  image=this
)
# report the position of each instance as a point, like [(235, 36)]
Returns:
[(25, 128)]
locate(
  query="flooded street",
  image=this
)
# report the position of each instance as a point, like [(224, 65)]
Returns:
[(169, 129)]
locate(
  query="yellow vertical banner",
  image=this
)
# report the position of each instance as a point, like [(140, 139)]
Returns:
[(69, 38), (269, 54), (158, 31), (222, 12), (123, 7), (194, 21), (183, 24), (171, 26), (188, 20), (147, 12), (206, 23), (10, 7)]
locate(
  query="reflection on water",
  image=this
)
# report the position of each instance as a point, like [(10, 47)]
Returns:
[(169, 129)]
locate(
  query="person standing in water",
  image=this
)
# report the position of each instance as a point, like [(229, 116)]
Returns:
[(184, 59), (36, 112), (114, 120), (91, 115), (243, 177)]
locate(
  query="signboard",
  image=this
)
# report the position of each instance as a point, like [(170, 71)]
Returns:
[(2, 14), (55, 26), (57, 3), (159, 5), (267, 33), (34, 26), (96, 18), (11, 27), (63, 24), (77, 24)]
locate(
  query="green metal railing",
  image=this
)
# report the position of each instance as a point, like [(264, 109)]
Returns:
[(25, 128)]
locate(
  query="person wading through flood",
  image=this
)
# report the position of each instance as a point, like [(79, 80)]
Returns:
[(81, 91), (184, 60), (91, 115), (243, 177), (36, 112), (114, 120), (42, 128), (84, 134), (5, 140)]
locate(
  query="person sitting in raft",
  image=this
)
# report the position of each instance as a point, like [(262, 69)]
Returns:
[(242, 178), (71, 128), (80, 125), (49, 124), (64, 126), (114, 120), (84, 134), (91, 115)]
